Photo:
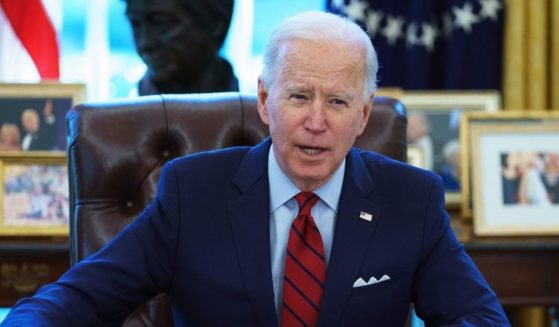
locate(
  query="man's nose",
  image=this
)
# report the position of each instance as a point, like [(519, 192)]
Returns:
[(316, 117)]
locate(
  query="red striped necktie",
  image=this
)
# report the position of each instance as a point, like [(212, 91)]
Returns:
[(305, 268)]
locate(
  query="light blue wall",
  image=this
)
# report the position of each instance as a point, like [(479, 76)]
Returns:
[(269, 13)]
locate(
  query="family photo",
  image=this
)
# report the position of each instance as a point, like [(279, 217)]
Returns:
[(530, 178), (35, 195)]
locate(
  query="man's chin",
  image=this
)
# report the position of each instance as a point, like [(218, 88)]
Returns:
[(311, 179)]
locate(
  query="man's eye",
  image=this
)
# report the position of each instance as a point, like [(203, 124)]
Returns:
[(298, 97), (339, 102)]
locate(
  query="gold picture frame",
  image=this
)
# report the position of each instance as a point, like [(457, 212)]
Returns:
[(416, 156), (47, 103), (515, 175), (434, 123), (34, 194)]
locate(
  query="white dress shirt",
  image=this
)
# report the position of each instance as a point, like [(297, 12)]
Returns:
[(26, 143), (284, 209)]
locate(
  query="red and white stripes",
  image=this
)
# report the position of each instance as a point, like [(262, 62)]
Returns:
[(28, 42)]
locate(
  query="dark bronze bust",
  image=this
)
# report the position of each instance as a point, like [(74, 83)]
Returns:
[(179, 40)]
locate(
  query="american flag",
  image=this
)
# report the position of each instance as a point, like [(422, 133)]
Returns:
[(432, 44), (29, 49)]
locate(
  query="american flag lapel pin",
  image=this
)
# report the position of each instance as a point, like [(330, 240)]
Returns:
[(366, 216)]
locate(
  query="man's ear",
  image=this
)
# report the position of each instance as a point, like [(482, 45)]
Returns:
[(261, 101), (366, 114)]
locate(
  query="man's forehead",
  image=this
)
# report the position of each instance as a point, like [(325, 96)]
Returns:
[(312, 52), (32, 114), (298, 72)]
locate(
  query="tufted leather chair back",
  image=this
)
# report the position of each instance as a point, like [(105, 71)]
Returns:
[(117, 149)]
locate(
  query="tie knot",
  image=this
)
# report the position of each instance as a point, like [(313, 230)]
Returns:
[(306, 201)]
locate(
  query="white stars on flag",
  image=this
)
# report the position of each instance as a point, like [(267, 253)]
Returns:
[(356, 10), (489, 9), (373, 21), (411, 35), (428, 36), (465, 17), (419, 33), (393, 29)]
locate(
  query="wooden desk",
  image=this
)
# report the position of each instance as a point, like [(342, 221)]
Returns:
[(25, 266), (521, 272)]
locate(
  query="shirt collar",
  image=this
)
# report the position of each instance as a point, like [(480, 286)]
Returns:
[(282, 189)]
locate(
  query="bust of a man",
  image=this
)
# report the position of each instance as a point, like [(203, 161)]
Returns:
[(179, 40)]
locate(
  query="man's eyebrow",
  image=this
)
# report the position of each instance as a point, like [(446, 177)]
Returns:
[(295, 87), (342, 95)]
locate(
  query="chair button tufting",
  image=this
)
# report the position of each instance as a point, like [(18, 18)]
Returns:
[(166, 153), (129, 204)]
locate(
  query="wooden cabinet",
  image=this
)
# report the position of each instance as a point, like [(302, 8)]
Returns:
[(521, 272), (25, 266)]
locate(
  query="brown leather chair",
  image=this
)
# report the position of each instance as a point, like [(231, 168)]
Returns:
[(116, 151)]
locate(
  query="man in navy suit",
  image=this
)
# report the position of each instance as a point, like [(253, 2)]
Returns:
[(38, 135), (216, 236)]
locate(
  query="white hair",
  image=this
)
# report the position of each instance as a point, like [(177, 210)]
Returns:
[(450, 148), (323, 27)]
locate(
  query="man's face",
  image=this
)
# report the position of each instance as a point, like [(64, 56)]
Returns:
[(169, 39), (315, 109), (30, 121), (418, 126)]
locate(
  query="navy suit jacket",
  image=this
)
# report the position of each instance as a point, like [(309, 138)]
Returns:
[(205, 241)]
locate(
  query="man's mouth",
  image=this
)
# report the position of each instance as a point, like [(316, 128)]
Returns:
[(311, 151)]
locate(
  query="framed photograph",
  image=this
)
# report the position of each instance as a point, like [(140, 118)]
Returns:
[(515, 178), (416, 156), (434, 126), (32, 116), (34, 194)]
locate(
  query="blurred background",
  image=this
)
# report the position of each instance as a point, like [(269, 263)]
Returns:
[(97, 46), (511, 46)]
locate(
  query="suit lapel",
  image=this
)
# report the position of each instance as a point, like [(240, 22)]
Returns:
[(251, 230), (351, 238), (250, 223)]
